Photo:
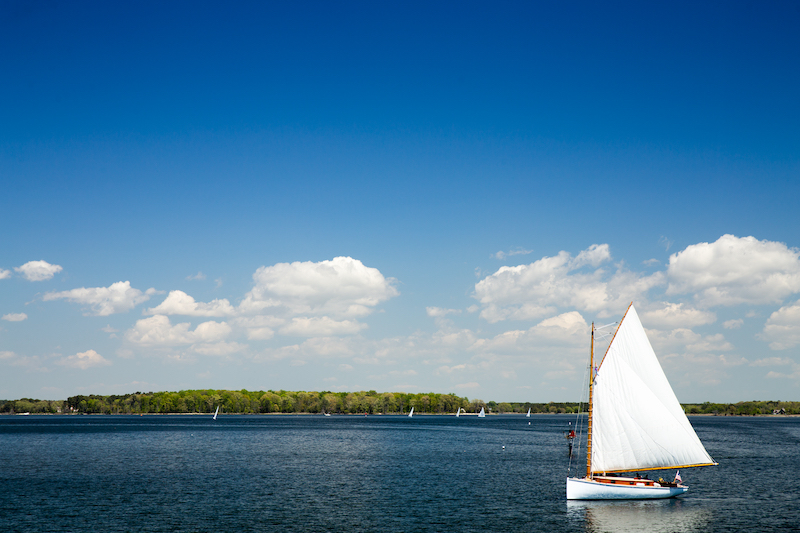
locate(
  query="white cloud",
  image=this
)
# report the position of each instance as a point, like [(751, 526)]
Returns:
[(773, 361), (38, 270), (711, 343), (733, 324), (15, 317), (104, 301), (5, 274), (198, 276), (672, 315), (341, 288), (735, 270), (259, 327), (445, 369), (321, 326), (158, 331), (84, 360), (438, 312), (518, 251), (180, 303), (30, 363), (533, 291), (686, 340), (565, 329), (219, 348), (782, 329)]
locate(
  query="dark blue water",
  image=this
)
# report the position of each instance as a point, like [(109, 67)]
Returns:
[(377, 473)]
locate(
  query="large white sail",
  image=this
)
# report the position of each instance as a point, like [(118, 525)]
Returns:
[(638, 423)]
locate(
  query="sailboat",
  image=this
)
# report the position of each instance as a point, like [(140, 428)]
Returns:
[(411, 413), (458, 413), (482, 414), (529, 413), (635, 423), (215, 413)]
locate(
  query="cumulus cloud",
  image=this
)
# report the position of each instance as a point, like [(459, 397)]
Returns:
[(687, 340), (38, 270), (672, 315), (5, 274), (782, 329), (180, 303), (259, 327), (104, 301), (321, 326), (735, 270), (733, 324), (158, 331), (84, 360), (564, 329), (534, 291), (15, 317), (342, 288)]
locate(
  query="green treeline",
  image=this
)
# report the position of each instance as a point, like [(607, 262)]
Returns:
[(252, 402), (742, 408)]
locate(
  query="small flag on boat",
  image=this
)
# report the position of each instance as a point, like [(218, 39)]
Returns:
[(678, 477)]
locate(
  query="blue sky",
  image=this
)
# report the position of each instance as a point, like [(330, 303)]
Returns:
[(397, 196)]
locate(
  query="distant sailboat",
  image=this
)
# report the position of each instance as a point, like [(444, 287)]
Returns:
[(482, 414), (215, 413), (529, 413), (411, 413), (458, 413), (635, 423)]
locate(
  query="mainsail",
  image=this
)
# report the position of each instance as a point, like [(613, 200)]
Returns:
[(638, 423)]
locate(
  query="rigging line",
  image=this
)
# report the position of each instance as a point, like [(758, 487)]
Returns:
[(578, 425)]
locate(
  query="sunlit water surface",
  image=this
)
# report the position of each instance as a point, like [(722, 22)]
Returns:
[(379, 473)]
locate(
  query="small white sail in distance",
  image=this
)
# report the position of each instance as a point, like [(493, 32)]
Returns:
[(458, 413), (482, 414), (529, 413), (411, 413), (215, 413)]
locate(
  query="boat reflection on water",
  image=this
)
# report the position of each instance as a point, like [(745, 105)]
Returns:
[(651, 516)]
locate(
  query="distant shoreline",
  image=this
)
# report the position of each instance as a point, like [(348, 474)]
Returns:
[(206, 401), (523, 415)]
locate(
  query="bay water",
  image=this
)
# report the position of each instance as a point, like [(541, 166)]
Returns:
[(259, 473)]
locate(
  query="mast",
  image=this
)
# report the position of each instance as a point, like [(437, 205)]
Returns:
[(589, 429)]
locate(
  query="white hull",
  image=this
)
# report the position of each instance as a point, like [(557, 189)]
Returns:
[(584, 489)]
